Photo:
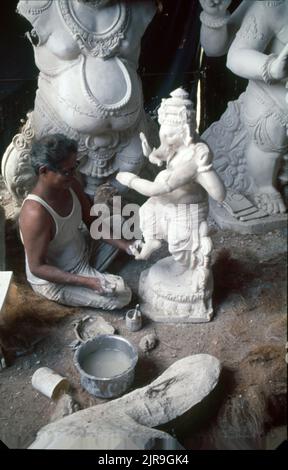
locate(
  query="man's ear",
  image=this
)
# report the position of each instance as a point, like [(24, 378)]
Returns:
[(43, 169)]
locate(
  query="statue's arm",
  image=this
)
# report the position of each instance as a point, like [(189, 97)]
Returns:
[(39, 13), (206, 175), (218, 27), (199, 168), (247, 56), (143, 186), (211, 182), (195, 165), (167, 180)]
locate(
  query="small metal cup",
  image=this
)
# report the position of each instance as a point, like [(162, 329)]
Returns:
[(134, 319)]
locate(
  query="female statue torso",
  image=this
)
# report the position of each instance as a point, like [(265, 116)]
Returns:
[(88, 88)]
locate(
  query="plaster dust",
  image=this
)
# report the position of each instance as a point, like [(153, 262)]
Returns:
[(247, 334)]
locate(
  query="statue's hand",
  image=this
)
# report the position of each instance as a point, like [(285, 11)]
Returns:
[(155, 160), (215, 8), (279, 66), (135, 248), (145, 146), (125, 178)]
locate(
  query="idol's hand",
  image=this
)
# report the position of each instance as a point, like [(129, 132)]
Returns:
[(145, 146), (135, 248), (154, 159), (125, 178)]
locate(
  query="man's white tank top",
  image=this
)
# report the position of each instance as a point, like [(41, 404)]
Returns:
[(67, 247)]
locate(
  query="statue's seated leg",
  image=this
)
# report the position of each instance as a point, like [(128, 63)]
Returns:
[(266, 124)]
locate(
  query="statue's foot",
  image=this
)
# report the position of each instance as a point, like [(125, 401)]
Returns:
[(148, 248), (270, 202)]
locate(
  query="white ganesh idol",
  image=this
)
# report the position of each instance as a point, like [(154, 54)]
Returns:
[(179, 287)]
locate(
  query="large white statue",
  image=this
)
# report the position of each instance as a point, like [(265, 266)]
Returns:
[(177, 288), (250, 141), (88, 89)]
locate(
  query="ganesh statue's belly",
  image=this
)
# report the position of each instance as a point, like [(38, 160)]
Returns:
[(93, 95)]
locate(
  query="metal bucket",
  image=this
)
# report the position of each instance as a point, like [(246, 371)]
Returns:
[(106, 387)]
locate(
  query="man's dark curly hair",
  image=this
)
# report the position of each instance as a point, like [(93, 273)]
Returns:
[(51, 151)]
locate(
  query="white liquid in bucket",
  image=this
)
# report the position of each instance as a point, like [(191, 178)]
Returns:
[(106, 363)]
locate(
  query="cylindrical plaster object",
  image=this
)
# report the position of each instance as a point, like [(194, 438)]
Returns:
[(49, 382)]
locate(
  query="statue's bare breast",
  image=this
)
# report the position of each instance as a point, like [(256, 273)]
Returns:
[(88, 63)]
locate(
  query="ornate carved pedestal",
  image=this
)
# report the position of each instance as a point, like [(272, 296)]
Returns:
[(169, 294)]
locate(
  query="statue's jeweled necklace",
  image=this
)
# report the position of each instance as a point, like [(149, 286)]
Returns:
[(273, 3), (101, 44), (93, 2)]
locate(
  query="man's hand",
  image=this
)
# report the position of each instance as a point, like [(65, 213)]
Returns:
[(216, 8), (95, 284), (125, 178), (145, 146)]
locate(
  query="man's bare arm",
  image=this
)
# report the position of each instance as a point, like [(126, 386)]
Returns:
[(36, 228)]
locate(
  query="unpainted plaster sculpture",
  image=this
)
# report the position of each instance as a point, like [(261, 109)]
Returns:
[(2, 239), (18, 174), (250, 141), (125, 423), (88, 88), (177, 288)]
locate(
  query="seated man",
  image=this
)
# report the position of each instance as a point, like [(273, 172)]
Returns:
[(56, 250)]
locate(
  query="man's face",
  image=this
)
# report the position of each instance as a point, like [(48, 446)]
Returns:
[(62, 176)]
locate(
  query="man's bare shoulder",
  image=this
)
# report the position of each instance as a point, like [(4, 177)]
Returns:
[(82, 197), (34, 216)]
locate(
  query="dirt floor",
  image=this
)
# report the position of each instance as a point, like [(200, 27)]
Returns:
[(247, 334)]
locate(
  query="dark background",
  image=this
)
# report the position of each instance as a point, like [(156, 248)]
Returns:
[(170, 58)]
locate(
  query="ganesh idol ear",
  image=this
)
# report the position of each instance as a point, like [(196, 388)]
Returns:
[(187, 139)]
